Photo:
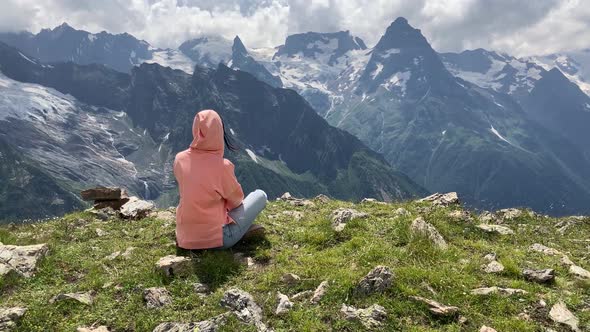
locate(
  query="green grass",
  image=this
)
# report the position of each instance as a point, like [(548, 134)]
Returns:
[(310, 249)]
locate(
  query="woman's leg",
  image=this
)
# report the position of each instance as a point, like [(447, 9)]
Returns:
[(244, 216)]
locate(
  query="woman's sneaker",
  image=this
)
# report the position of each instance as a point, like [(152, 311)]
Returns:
[(254, 231)]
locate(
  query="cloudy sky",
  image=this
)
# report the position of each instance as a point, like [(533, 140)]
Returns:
[(519, 27)]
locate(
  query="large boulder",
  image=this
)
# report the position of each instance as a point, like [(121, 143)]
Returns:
[(420, 226), (559, 313), (102, 194), (438, 199), (284, 305), (21, 259), (579, 272), (136, 208), (319, 292), (157, 297), (341, 217), (244, 307), (172, 265), (376, 281), (371, 317), (539, 276), (9, 317)]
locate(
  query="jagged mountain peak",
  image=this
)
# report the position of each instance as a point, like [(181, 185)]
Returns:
[(400, 34), (403, 58), (241, 60), (238, 46)]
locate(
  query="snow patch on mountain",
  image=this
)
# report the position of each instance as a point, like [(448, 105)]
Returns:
[(399, 80), (27, 58), (173, 59), (378, 70), (503, 74), (495, 132), (390, 52), (252, 155)]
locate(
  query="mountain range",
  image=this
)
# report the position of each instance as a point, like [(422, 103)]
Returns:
[(502, 131)]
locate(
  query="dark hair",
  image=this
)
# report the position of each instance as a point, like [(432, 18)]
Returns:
[(230, 143)]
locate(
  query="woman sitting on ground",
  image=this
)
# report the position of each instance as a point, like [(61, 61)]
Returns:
[(212, 212)]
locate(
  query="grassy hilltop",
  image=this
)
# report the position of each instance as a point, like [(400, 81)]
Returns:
[(301, 240)]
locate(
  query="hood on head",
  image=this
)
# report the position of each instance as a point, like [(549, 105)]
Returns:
[(207, 132)]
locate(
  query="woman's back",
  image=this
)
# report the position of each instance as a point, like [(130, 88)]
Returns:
[(207, 185)]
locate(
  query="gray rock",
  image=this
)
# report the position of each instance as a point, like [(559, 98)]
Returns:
[(286, 197), (437, 308), (21, 259), (172, 265), (493, 267), (341, 217), (156, 297), (460, 215), (201, 289), (243, 306), (540, 276), (498, 229), (102, 193), (302, 295), (376, 281), (322, 198), (579, 272), (420, 226), (136, 208), (497, 290), (509, 214), (86, 298), (371, 317), (442, 199), (9, 317), (284, 304), (537, 247), (319, 292), (209, 325), (559, 313)]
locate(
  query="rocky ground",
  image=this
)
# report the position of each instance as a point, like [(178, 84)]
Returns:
[(324, 265)]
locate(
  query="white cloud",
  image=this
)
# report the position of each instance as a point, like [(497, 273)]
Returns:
[(516, 27)]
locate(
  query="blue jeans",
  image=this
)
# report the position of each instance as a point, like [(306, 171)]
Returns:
[(244, 216)]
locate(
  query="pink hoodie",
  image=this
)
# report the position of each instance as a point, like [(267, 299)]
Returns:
[(207, 184)]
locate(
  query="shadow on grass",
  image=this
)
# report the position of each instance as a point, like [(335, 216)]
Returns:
[(215, 267)]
